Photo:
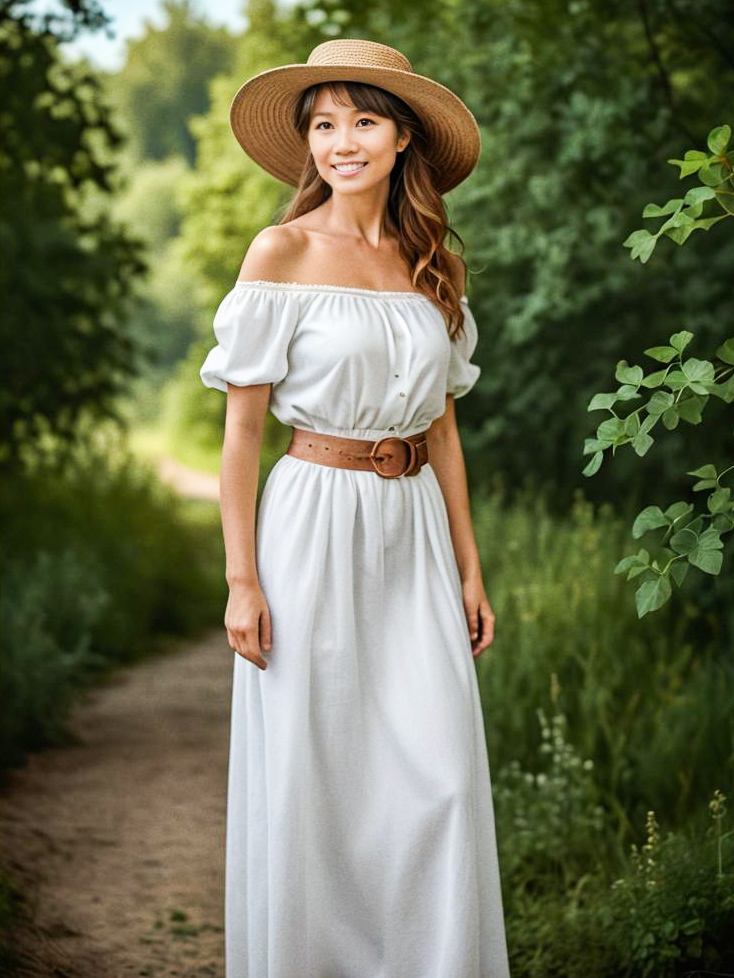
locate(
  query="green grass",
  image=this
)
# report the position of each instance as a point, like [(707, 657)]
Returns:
[(651, 701)]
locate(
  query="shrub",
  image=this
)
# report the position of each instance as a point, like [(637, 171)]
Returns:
[(99, 559), (50, 605)]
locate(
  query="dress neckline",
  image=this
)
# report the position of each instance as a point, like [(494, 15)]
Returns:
[(303, 287)]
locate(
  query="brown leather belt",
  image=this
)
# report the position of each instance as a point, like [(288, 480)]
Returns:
[(389, 457)]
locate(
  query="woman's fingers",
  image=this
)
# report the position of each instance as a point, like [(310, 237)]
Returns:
[(238, 643), (474, 624), (252, 648), (486, 630), (265, 629), (247, 614), (480, 620)]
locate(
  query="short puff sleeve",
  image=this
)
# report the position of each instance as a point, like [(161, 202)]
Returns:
[(462, 374), (253, 327)]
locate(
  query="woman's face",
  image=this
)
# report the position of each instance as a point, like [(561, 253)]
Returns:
[(340, 136)]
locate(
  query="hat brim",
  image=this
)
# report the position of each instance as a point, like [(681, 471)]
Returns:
[(261, 118)]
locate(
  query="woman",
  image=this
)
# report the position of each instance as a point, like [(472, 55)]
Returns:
[(360, 827)]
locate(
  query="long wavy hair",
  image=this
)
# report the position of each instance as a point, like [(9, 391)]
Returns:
[(414, 205)]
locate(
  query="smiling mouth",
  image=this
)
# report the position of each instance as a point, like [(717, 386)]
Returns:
[(348, 167)]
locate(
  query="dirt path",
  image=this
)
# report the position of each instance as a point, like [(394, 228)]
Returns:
[(118, 841)]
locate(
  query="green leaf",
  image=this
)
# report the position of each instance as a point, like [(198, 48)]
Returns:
[(696, 524), (636, 564), (697, 195), (676, 380), (627, 392), (649, 518), (610, 431), (679, 341), (723, 522), (671, 207), (651, 595), (684, 541), (642, 244), (718, 139), (678, 571), (707, 556), (660, 402), (641, 443), (601, 401), (592, 445), (626, 374), (637, 570), (594, 464), (664, 354), (712, 173), (677, 510), (719, 501), (707, 471), (725, 391), (699, 373), (687, 167), (680, 234), (690, 409), (670, 419), (625, 563), (726, 351), (649, 423), (654, 379)]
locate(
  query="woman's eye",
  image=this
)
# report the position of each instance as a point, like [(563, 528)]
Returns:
[(364, 119)]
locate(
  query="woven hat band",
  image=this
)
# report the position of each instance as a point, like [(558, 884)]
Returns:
[(368, 54)]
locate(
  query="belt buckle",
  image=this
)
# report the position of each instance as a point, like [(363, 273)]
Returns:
[(395, 467)]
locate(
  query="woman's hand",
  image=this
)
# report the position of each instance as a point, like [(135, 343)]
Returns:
[(247, 620), (479, 615)]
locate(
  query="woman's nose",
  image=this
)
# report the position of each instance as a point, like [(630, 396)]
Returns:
[(345, 141)]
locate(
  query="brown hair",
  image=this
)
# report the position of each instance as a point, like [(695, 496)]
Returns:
[(414, 205)]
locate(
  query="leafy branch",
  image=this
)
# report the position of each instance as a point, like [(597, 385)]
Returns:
[(715, 174), (681, 391)]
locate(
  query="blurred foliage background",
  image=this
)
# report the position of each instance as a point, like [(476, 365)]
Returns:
[(127, 209)]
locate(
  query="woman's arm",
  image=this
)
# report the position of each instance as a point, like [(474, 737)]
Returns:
[(247, 617), (446, 458)]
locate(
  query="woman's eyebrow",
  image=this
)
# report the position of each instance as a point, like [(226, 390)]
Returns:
[(368, 111)]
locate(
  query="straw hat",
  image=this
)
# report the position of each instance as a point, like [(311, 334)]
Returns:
[(261, 114)]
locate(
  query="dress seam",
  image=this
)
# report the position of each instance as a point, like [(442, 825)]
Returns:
[(304, 287)]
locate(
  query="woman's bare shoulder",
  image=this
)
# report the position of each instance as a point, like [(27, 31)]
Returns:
[(274, 254)]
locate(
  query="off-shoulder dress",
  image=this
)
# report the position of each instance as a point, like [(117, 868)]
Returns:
[(360, 834)]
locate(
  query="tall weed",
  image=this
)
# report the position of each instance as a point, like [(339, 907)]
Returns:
[(649, 701), (576, 906)]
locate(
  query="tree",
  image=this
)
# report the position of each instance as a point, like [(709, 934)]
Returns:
[(165, 81), (68, 271), (227, 199)]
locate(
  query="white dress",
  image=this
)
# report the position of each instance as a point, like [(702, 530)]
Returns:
[(360, 836)]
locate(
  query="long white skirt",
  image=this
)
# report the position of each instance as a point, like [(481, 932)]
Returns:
[(360, 836)]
